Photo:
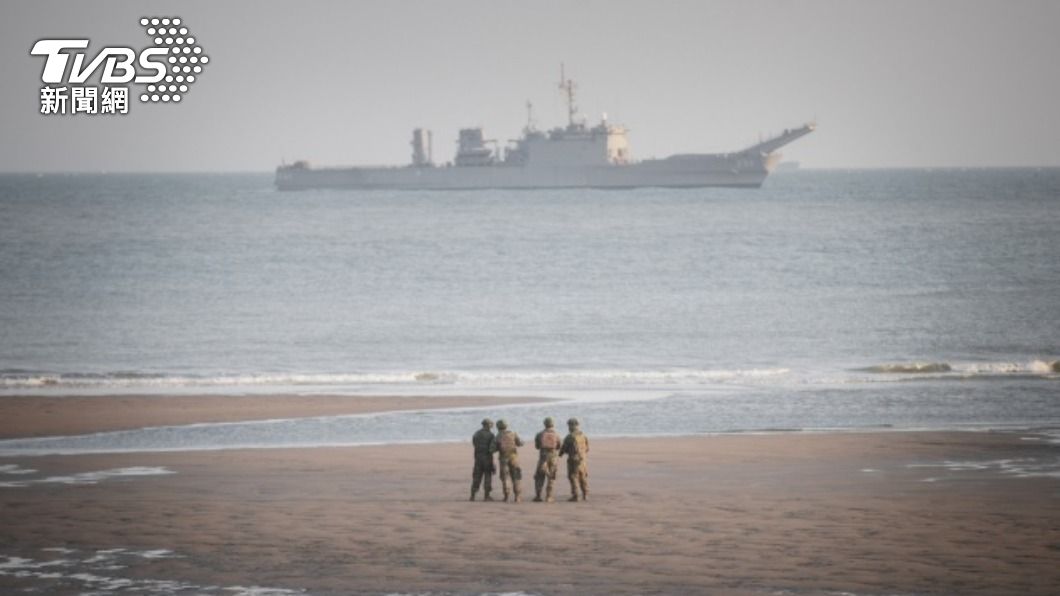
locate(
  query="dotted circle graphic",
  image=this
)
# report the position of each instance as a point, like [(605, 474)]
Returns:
[(184, 56)]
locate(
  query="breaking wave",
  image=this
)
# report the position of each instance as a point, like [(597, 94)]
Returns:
[(21, 379), (1034, 367), (915, 367), (14, 379)]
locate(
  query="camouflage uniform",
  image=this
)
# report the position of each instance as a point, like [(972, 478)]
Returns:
[(506, 444), (482, 474), (576, 448), (548, 443)]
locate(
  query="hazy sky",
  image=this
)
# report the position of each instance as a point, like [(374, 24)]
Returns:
[(894, 83)]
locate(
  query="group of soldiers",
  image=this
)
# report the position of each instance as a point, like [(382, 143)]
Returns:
[(550, 448)]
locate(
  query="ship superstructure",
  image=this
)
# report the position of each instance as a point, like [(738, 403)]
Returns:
[(574, 156)]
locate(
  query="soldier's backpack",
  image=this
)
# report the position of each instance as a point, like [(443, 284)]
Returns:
[(506, 442), (550, 440)]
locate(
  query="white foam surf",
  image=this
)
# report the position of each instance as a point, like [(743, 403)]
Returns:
[(97, 573), (502, 380), (468, 379), (85, 478), (1046, 367), (1013, 468)]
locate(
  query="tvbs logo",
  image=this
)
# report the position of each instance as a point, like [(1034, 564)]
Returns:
[(118, 60), (167, 69)]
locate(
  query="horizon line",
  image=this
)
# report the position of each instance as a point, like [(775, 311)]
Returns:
[(4, 172)]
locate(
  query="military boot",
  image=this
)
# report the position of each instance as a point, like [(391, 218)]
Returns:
[(537, 489), (472, 496), (487, 497), (506, 496), (548, 495)]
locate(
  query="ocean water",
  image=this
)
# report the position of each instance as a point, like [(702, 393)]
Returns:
[(824, 300)]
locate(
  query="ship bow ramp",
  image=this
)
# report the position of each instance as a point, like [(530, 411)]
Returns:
[(789, 135)]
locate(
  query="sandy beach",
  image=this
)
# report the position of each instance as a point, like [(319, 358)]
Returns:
[(861, 513)]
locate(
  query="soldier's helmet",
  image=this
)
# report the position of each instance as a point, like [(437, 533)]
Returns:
[(487, 423), (549, 423), (573, 422), (502, 424)]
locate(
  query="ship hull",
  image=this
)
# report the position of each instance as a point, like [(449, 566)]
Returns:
[(679, 171)]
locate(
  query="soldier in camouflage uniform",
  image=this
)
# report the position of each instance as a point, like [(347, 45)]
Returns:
[(483, 471), (548, 443), (506, 444), (576, 448)]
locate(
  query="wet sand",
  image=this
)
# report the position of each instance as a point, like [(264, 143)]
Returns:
[(866, 513), (37, 416)]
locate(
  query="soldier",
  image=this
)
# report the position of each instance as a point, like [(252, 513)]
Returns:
[(483, 471), (576, 448), (507, 443), (548, 443)]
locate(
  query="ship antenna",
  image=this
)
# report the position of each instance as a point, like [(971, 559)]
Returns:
[(567, 86), (529, 117)]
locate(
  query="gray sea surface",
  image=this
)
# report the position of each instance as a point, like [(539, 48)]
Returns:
[(826, 300)]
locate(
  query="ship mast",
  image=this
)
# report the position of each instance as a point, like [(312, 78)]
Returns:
[(529, 118), (567, 86)]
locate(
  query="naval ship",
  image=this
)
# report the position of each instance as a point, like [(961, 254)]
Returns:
[(575, 156)]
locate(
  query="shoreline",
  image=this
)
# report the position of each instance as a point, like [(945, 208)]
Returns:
[(1044, 434), (29, 419)]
